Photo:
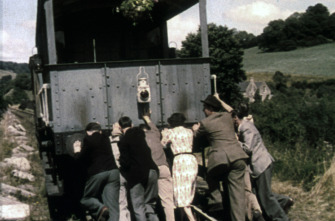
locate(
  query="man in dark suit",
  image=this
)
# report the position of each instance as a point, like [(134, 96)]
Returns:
[(226, 159), (101, 194), (139, 169)]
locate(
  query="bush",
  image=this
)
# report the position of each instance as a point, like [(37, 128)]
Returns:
[(298, 127), (300, 164), (23, 81), (18, 96)]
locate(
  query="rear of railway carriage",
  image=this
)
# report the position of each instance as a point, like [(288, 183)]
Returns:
[(94, 64)]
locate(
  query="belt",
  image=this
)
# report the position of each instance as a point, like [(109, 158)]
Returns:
[(183, 153)]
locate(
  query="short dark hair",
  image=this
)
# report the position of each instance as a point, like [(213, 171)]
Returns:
[(241, 111), (92, 126), (176, 119), (125, 122)]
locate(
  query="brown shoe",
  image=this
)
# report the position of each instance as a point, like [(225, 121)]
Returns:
[(104, 214)]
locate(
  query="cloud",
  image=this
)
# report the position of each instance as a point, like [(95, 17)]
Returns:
[(29, 24), (17, 43), (4, 37), (13, 49), (179, 27), (255, 16)]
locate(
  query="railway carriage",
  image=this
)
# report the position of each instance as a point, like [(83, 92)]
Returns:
[(93, 63)]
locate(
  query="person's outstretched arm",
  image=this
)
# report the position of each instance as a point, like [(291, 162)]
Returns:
[(146, 116), (223, 104)]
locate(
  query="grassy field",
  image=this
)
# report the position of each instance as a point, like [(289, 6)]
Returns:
[(305, 63)]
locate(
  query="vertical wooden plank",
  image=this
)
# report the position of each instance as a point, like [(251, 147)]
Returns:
[(49, 17), (203, 27), (164, 35)]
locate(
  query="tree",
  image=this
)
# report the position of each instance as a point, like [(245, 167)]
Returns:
[(226, 58), (246, 39), (293, 27), (280, 81), (18, 96), (3, 105), (5, 84), (272, 36), (315, 23), (329, 30), (23, 81), (313, 27)]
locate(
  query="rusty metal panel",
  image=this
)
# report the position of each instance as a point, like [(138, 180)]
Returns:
[(183, 85), (78, 97)]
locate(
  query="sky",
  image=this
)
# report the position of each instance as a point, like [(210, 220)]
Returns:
[(18, 21)]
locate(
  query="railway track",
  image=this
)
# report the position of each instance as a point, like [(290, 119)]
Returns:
[(17, 110)]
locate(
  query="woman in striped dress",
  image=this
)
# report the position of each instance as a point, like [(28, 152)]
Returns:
[(185, 166)]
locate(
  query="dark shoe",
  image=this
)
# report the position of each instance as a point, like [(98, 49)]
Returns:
[(104, 214), (288, 205), (257, 216)]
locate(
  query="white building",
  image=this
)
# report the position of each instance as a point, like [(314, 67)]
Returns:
[(249, 89)]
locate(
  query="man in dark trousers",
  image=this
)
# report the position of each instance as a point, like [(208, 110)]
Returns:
[(101, 194), (226, 159), (139, 169)]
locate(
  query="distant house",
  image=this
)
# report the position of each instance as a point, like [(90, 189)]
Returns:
[(249, 89)]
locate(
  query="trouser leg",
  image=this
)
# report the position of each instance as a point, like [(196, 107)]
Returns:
[(233, 197), (93, 193), (236, 188), (151, 196), (251, 199), (165, 192), (268, 201), (110, 195), (214, 176), (123, 201), (138, 202), (215, 197)]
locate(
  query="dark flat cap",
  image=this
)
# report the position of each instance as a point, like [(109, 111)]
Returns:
[(212, 101)]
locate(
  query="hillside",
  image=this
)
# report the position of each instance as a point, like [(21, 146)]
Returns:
[(313, 61), (6, 72)]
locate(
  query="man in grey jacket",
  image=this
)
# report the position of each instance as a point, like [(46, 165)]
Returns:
[(261, 163), (226, 160)]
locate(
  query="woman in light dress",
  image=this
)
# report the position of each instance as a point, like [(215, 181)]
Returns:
[(185, 166)]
